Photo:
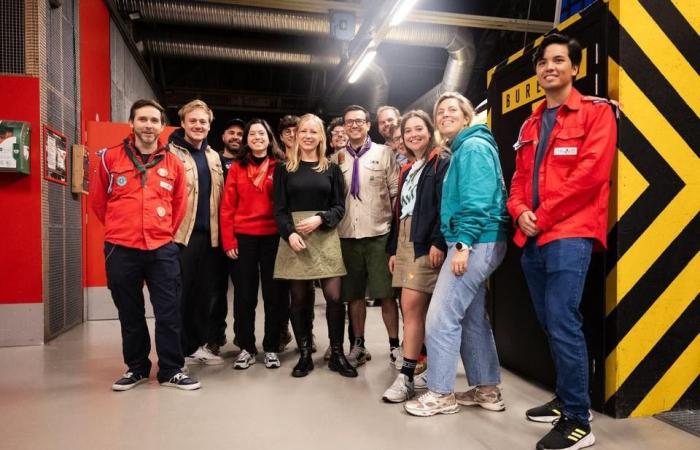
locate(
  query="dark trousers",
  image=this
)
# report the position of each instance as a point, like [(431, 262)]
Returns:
[(127, 270), (217, 319), (255, 265), (198, 263)]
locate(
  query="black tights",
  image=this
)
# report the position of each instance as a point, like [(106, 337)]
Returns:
[(302, 294)]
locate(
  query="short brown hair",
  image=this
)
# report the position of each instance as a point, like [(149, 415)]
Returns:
[(138, 104), (356, 108), (191, 106), (287, 121)]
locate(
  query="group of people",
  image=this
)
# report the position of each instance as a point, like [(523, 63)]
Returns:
[(424, 218)]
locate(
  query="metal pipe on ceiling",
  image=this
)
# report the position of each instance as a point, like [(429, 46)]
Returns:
[(457, 41)]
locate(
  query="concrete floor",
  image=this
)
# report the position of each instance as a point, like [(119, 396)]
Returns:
[(58, 396)]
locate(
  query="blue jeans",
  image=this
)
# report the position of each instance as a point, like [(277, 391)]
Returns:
[(458, 324), (556, 274)]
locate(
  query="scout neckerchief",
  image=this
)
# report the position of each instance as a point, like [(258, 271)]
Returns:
[(355, 184), (256, 173), (140, 166)]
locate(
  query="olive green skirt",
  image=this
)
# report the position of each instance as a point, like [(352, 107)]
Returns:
[(321, 258)]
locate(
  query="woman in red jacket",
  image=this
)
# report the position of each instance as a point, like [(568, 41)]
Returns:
[(249, 237)]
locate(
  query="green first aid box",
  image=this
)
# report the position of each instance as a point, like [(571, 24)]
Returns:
[(14, 146)]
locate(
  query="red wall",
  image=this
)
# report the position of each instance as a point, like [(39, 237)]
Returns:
[(95, 94), (20, 200)]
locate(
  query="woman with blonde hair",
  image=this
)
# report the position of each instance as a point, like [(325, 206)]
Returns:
[(309, 202), (473, 221), (416, 245)]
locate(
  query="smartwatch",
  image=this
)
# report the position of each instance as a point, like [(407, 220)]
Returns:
[(461, 247)]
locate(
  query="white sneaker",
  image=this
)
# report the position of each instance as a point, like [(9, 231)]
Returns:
[(271, 360), (204, 356), (400, 390), (432, 403), (420, 381), (396, 357), (244, 360)]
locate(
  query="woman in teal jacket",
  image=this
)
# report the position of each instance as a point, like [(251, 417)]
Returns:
[(473, 220)]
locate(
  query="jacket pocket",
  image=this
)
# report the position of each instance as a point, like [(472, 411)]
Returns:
[(567, 146)]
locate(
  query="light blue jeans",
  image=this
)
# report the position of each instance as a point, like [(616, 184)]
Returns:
[(458, 324)]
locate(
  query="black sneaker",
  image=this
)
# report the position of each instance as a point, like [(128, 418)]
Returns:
[(567, 434), (128, 381), (549, 412), (182, 381)]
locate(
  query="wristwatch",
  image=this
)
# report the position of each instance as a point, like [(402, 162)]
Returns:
[(461, 247)]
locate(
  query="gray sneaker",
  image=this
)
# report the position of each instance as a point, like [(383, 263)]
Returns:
[(358, 356), (493, 401), (399, 391), (244, 360)]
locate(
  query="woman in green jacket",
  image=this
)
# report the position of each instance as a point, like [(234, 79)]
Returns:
[(473, 220)]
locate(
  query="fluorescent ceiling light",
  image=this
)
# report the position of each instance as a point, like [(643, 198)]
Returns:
[(405, 6), (361, 66)]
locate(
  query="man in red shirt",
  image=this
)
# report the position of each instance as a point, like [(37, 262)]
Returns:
[(559, 202), (138, 192)]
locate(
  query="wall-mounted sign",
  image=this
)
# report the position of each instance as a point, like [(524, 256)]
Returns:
[(343, 25), (55, 156)]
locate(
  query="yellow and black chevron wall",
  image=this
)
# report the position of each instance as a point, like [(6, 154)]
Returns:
[(641, 307)]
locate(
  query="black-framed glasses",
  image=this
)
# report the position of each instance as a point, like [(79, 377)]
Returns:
[(352, 122)]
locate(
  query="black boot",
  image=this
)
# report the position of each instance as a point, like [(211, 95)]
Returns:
[(338, 362), (305, 364), (299, 318)]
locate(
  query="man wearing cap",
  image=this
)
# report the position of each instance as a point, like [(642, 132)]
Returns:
[(232, 138), (138, 193)]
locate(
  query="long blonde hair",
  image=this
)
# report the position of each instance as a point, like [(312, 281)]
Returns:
[(294, 154)]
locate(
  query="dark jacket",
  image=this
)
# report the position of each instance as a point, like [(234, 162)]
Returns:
[(425, 221)]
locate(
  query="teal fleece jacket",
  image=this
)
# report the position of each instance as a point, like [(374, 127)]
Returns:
[(473, 208)]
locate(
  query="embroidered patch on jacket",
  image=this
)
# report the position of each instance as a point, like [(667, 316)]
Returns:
[(564, 151)]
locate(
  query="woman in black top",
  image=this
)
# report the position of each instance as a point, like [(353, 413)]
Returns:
[(309, 202)]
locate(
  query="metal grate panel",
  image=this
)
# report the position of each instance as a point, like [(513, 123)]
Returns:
[(685, 420), (12, 36), (61, 210)]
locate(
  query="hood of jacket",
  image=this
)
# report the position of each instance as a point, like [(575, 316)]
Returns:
[(481, 131), (177, 137)]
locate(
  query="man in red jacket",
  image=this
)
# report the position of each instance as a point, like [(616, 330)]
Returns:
[(559, 202), (138, 192)]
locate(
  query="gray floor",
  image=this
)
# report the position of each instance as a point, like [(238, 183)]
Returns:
[(58, 397)]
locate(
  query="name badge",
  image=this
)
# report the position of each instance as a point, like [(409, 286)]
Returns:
[(565, 151), (166, 186)]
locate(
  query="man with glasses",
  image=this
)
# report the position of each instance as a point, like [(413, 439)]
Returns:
[(371, 178)]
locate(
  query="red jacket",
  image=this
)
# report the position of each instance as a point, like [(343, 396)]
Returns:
[(574, 177), (136, 216), (244, 208)]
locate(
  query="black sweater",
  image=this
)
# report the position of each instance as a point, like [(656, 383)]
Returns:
[(425, 221), (308, 190)]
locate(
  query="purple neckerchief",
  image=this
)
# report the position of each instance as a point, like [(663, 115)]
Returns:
[(355, 185)]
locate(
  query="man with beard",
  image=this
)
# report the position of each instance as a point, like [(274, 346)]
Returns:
[(141, 178), (232, 138)]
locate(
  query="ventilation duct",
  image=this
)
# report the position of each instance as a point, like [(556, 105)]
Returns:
[(457, 41), (194, 50)]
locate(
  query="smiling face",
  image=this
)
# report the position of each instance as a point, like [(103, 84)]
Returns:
[(196, 126), (147, 126), (397, 143), (416, 136), (339, 139), (287, 136), (309, 136), (356, 127), (554, 69), (233, 138), (385, 119), (258, 140), (450, 118)]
